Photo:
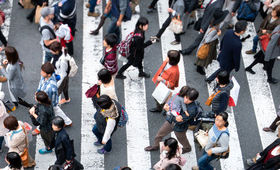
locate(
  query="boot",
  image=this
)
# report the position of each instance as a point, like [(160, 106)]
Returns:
[(199, 69), (102, 21), (143, 74)]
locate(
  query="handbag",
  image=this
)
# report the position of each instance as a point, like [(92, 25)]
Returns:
[(201, 137), (176, 25), (222, 155), (182, 160), (28, 4), (264, 40), (161, 93), (102, 60), (197, 24), (203, 51), (211, 97), (24, 155), (38, 13), (94, 90), (246, 13)]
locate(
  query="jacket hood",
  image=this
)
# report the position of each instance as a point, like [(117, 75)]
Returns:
[(228, 87)]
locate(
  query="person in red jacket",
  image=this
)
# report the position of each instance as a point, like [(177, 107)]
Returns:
[(168, 73)]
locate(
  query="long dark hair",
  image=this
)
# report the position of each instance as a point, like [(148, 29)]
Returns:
[(173, 146), (141, 22), (11, 54), (14, 159)]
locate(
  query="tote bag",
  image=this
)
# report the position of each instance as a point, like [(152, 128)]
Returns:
[(176, 25)]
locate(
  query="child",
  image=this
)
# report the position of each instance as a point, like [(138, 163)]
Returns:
[(63, 32), (111, 61), (176, 102), (41, 115)]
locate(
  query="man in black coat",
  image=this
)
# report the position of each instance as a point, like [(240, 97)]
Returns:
[(230, 50)]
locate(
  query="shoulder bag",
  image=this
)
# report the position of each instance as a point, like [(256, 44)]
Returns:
[(222, 155), (203, 51), (24, 155), (176, 25), (201, 137), (102, 60), (94, 90), (211, 97), (264, 39)]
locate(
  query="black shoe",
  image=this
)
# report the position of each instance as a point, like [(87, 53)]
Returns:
[(243, 39), (191, 23), (120, 76), (154, 110), (273, 81), (29, 18), (208, 81), (143, 74), (250, 70), (200, 70), (94, 32)]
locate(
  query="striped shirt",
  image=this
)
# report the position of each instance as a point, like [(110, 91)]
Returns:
[(49, 86)]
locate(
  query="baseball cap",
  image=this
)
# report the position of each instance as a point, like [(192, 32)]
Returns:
[(47, 11)]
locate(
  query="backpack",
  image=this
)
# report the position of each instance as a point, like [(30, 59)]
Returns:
[(196, 120), (123, 118), (124, 46), (50, 30)]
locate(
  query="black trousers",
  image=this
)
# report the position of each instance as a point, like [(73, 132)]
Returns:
[(3, 39), (152, 5), (268, 67), (127, 65), (164, 26)]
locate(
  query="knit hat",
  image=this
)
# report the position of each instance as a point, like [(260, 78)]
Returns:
[(47, 11), (219, 16)]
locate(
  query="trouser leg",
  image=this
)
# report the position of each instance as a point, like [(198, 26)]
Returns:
[(273, 124), (182, 138), (101, 23), (165, 129), (194, 45), (152, 5), (124, 67), (59, 112), (70, 47), (47, 137), (269, 69), (164, 26)]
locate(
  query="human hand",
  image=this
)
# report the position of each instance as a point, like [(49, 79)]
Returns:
[(159, 79), (232, 14), (119, 23), (263, 31), (219, 32), (209, 152), (32, 110), (179, 118), (201, 31), (104, 143), (98, 2), (187, 114), (170, 10), (187, 13), (5, 62), (166, 107)]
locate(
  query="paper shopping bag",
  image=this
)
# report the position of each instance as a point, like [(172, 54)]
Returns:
[(234, 93), (161, 93)]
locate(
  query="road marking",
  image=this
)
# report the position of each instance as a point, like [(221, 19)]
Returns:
[(166, 38), (92, 52), (137, 130), (260, 91)]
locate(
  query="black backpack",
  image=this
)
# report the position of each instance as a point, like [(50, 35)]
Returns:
[(196, 120), (51, 31)]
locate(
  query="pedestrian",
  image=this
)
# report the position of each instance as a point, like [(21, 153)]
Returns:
[(64, 149), (268, 158), (47, 32), (111, 60), (92, 4), (14, 162), (168, 73), (211, 37), (137, 47), (221, 94), (40, 3), (152, 7), (271, 21), (218, 134), (230, 50), (178, 124), (16, 84), (272, 51), (17, 139), (176, 10), (62, 68), (48, 84), (170, 152), (3, 115), (107, 118), (273, 125), (41, 115)]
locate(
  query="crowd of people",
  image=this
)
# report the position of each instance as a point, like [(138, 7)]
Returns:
[(57, 29)]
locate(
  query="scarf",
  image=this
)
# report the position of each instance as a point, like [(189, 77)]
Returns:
[(112, 112)]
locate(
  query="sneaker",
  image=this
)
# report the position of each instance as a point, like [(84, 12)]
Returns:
[(63, 101), (102, 151), (88, 5), (175, 42), (195, 168), (250, 52), (44, 151), (250, 162), (68, 125), (97, 143), (35, 132), (93, 14), (120, 76), (151, 10)]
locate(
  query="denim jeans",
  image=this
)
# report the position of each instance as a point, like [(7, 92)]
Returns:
[(113, 28), (48, 56), (92, 5), (204, 162), (99, 136), (255, 43), (1, 141)]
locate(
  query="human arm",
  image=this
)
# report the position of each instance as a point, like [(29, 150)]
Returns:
[(123, 6), (211, 36), (10, 73), (108, 7), (271, 45), (111, 123), (224, 141), (236, 56)]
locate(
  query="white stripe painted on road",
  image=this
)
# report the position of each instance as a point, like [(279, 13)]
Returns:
[(166, 38), (92, 52), (137, 129), (260, 91)]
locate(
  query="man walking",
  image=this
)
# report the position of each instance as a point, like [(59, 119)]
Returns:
[(229, 57)]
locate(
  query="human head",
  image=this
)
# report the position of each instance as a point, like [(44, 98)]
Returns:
[(142, 24), (276, 11), (56, 47), (57, 25), (240, 27), (125, 168), (223, 77), (47, 12), (11, 54), (173, 167), (14, 160), (47, 70), (110, 39), (184, 90), (104, 101), (104, 76), (57, 123), (11, 123), (43, 98), (191, 96), (221, 119), (174, 57), (171, 145)]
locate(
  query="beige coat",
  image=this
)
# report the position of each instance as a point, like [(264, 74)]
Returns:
[(17, 141), (3, 115)]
